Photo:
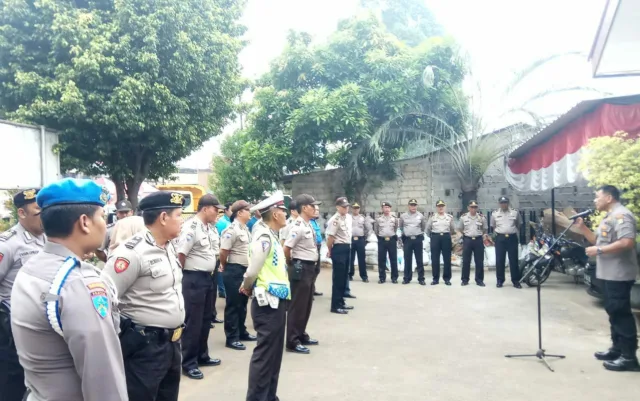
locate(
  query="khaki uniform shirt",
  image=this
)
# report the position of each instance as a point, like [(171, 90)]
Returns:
[(440, 223), (385, 226), (621, 266), (200, 244), (16, 247), (284, 232), (505, 222), (473, 226), (302, 241), (412, 224), (236, 239), (84, 364), (339, 227), (149, 282), (107, 239), (360, 226)]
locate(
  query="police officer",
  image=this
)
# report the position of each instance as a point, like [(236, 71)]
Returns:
[(234, 259), (17, 245), (64, 317), (148, 277), (339, 250), (473, 228), (506, 223), (123, 210), (221, 225), (266, 277), (316, 227), (284, 232), (439, 229), (198, 250), (301, 254), (412, 225), (385, 228), (615, 251), (360, 229)]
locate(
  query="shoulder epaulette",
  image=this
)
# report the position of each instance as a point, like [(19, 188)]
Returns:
[(133, 242), (297, 223), (194, 225), (6, 235)]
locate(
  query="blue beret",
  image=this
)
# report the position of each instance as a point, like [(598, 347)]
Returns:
[(71, 191), (162, 200)]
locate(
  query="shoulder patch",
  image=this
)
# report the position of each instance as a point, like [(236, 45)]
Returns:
[(227, 235), (6, 235), (265, 245), (100, 302), (121, 264), (189, 237), (133, 242), (335, 222), (1, 256)]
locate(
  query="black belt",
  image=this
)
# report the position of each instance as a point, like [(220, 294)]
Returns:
[(160, 334), (505, 235), (439, 234), (335, 245), (389, 238), (197, 272), (305, 261)]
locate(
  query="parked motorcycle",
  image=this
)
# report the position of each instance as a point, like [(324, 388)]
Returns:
[(566, 256)]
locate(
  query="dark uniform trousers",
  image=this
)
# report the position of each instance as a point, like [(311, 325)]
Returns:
[(317, 268), (388, 246), (151, 363), (358, 249), (301, 303), (340, 265), (11, 373), (475, 246), (617, 303), (215, 278), (198, 290), (413, 246), (507, 244), (235, 310), (264, 369), (441, 245)]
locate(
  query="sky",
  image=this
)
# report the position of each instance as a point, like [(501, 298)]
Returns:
[(498, 36)]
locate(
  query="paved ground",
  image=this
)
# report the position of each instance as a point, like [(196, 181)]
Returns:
[(415, 343)]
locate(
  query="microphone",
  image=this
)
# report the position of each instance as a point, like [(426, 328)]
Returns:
[(583, 214)]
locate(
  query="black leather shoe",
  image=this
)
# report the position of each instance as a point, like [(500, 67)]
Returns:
[(310, 341), (195, 374), (299, 349), (209, 362), (213, 326), (237, 345), (422, 282), (447, 282), (221, 295), (249, 337), (317, 294), (365, 280), (339, 311), (435, 282), (622, 364), (517, 285), (347, 307), (381, 281), (394, 280), (350, 296), (608, 355), (216, 320), (464, 283), (405, 281), (499, 285), (480, 283)]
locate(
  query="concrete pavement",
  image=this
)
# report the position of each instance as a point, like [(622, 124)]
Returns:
[(414, 343)]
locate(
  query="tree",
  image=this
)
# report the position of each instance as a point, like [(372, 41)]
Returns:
[(321, 105), (613, 160), (134, 86)]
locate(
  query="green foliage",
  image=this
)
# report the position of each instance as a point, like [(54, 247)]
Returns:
[(613, 160), (134, 86), (323, 104)]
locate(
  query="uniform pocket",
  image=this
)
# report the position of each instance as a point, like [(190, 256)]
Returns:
[(160, 279)]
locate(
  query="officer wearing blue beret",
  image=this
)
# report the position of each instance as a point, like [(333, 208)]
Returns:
[(63, 315), (148, 277)]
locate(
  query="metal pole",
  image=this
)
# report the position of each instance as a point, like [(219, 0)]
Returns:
[(553, 211)]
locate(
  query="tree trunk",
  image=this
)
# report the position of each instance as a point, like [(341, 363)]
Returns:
[(468, 196), (120, 191), (133, 188)]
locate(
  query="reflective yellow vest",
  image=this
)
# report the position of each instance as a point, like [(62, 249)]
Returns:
[(273, 276)]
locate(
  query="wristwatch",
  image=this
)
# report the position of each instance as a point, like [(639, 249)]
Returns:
[(599, 250)]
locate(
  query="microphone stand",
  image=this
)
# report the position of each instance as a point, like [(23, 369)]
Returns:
[(541, 354)]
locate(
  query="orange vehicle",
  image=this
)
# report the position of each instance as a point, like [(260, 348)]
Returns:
[(191, 193)]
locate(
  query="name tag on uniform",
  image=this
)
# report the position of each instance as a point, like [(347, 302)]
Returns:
[(387, 238), (356, 238)]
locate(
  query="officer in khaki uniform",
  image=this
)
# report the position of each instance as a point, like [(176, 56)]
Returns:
[(506, 224), (148, 277), (617, 266), (123, 210), (17, 246), (339, 235), (473, 228), (439, 228), (234, 259), (385, 228), (301, 253), (360, 230), (198, 250), (412, 225), (64, 317)]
